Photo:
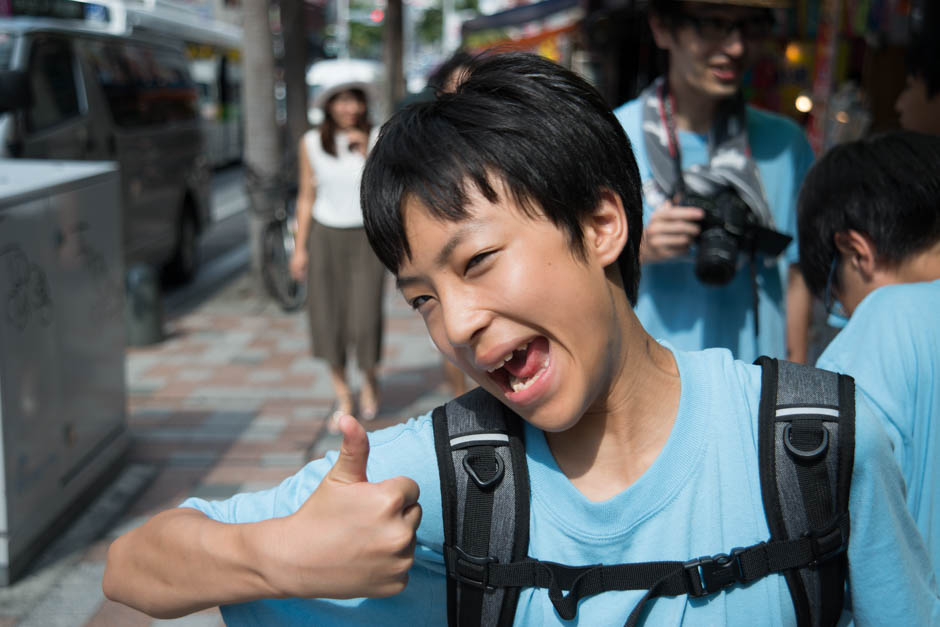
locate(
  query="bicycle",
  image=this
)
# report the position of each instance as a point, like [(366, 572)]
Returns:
[(277, 247)]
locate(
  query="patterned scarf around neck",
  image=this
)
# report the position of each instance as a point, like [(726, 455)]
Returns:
[(729, 155)]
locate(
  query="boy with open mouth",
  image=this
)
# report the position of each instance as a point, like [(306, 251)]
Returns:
[(510, 214)]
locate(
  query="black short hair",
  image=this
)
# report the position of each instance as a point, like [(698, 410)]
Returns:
[(886, 186), (923, 62), (523, 120), (923, 51), (439, 77)]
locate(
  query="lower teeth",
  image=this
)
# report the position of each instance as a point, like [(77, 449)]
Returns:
[(518, 384)]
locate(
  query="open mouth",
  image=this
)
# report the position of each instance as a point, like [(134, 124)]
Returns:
[(523, 366)]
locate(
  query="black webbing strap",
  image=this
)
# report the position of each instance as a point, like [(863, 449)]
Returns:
[(806, 450), (697, 578), (486, 472), (485, 503)]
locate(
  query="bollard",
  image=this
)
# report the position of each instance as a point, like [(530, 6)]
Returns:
[(143, 306)]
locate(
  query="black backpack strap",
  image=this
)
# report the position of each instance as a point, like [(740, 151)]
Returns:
[(806, 449), (485, 502)]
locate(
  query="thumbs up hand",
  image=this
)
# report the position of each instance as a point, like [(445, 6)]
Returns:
[(351, 538)]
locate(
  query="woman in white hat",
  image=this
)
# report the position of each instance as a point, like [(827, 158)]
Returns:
[(344, 276)]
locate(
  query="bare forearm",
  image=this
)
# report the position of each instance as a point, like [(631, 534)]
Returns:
[(180, 562), (304, 218), (799, 312)]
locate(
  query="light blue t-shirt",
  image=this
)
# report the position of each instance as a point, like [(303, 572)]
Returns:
[(673, 304), (701, 496), (891, 346)]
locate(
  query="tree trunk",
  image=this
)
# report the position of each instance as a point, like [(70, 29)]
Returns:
[(262, 153), (393, 53), (293, 20)]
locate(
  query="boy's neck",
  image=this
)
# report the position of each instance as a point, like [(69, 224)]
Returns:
[(694, 109), (619, 437)]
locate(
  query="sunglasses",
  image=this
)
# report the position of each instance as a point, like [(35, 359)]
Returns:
[(713, 28)]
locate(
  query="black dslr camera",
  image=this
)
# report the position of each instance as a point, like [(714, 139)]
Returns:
[(729, 227)]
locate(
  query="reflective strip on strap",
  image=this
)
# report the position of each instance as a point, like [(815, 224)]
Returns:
[(819, 411), (479, 437)]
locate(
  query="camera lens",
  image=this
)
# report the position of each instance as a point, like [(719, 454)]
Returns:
[(716, 262)]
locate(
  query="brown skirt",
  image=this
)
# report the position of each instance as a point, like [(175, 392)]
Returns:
[(344, 296)]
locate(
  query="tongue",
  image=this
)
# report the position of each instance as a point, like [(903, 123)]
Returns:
[(525, 364)]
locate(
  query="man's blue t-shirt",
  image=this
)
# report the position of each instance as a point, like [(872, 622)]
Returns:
[(701, 496), (673, 304), (891, 346)]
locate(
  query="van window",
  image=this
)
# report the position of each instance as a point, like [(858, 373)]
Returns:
[(52, 82), (144, 86), (6, 50)]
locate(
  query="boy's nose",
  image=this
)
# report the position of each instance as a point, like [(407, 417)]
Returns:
[(463, 322)]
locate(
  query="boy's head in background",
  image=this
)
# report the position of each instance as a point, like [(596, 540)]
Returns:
[(510, 213), (918, 105), (869, 215)]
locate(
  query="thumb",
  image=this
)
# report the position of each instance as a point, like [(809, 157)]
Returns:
[(350, 466)]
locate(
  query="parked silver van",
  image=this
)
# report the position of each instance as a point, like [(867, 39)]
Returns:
[(71, 88)]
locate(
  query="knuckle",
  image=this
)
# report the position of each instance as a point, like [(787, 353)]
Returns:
[(392, 500), (402, 538)]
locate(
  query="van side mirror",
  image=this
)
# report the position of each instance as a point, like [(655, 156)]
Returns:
[(14, 90)]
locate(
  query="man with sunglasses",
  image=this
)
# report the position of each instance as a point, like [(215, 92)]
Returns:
[(870, 245), (696, 141)]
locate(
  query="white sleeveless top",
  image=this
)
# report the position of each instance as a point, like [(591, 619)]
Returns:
[(337, 180)]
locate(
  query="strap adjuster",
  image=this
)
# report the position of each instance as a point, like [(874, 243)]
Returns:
[(472, 570), (827, 543), (709, 574)]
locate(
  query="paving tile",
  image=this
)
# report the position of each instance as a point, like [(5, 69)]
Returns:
[(216, 491), (73, 600), (283, 460)]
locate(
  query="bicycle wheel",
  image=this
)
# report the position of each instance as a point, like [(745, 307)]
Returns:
[(278, 246)]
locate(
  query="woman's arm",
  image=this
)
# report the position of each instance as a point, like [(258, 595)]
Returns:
[(306, 195)]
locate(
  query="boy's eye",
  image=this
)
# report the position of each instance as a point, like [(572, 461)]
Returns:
[(476, 260), (417, 302)]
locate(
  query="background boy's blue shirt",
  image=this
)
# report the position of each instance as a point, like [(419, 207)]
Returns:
[(673, 305), (891, 345), (707, 473)]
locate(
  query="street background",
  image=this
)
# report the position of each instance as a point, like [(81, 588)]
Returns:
[(230, 401)]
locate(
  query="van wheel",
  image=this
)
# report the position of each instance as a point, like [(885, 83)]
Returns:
[(185, 261)]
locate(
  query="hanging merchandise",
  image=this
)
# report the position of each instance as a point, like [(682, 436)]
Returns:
[(826, 39)]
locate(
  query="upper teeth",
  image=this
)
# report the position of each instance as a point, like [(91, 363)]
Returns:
[(503, 361)]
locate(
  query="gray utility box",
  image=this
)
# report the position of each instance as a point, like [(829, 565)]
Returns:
[(62, 397)]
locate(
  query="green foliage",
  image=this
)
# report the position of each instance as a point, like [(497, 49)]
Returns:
[(365, 41), (431, 26)]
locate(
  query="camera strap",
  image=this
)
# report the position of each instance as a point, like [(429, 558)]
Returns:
[(666, 103)]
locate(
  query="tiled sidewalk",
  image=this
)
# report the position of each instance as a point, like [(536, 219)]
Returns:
[(230, 401)]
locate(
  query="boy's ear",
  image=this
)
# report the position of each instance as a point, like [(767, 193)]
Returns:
[(858, 252), (605, 229)]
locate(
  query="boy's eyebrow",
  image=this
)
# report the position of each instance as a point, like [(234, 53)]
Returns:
[(443, 256)]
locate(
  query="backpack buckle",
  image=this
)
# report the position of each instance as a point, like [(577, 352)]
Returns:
[(472, 570), (709, 574)]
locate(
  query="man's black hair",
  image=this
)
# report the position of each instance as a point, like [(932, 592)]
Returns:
[(438, 79), (886, 187), (518, 119), (923, 62)]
